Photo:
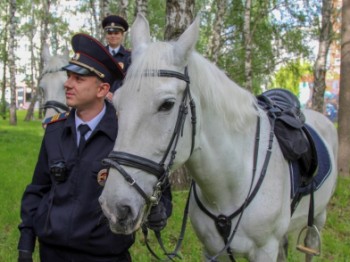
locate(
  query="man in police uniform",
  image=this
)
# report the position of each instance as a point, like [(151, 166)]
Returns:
[(115, 28), (60, 207)]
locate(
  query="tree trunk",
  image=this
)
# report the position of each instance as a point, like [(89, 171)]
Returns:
[(141, 7), (215, 39), (344, 93), (3, 109), (248, 47), (12, 65), (104, 6), (179, 15), (123, 9), (43, 37), (321, 61), (30, 112)]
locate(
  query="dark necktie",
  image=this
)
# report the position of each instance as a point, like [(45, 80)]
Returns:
[(113, 52), (83, 129)]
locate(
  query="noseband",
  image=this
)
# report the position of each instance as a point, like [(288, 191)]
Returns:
[(117, 159)]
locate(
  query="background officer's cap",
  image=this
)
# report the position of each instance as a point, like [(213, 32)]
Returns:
[(114, 23), (92, 58)]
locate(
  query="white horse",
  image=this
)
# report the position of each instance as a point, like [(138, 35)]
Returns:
[(52, 81), (216, 144)]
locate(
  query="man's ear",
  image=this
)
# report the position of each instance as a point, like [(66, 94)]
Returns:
[(103, 89)]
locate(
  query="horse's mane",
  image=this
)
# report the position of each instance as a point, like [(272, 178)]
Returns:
[(234, 104), (53, 78)]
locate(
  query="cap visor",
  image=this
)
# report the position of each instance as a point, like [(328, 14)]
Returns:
[(77, 69), (114, 29)]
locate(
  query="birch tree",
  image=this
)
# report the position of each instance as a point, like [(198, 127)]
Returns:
[(215, 40), (247, 38), (4, 58), (11, 61), (123, 9), (179, 15), (31, 28), (325, 39), (141, 7), (45, 20)]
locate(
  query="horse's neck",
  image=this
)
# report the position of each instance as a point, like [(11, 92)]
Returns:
[(223, 166)]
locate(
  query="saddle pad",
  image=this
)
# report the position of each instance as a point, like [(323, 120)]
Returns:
[(323, 170)]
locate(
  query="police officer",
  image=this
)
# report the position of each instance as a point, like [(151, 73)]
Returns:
[(115, 27), (60, 207)]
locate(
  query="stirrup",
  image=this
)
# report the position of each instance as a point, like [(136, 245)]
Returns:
[(301, 245)]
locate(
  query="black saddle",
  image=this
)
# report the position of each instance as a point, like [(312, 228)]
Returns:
[(295, 141)]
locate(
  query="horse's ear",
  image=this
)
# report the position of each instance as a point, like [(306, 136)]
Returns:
[(140, 33), (46, 53), (186, 42)]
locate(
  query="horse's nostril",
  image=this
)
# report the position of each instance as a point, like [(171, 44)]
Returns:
[(123, 212)]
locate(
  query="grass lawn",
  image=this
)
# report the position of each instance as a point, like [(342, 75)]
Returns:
[(19, 147)]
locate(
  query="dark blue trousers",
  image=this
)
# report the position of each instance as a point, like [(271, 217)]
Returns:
[(50, 253)]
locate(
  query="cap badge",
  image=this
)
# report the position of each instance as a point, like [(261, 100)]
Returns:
[(112, 24), (76, 56)]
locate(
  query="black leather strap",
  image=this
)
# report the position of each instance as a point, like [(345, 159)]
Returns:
[(138, 162), (127, 177), (56, 106)]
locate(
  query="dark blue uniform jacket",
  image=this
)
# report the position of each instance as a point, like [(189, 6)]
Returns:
[(123, 58), (68, 214)]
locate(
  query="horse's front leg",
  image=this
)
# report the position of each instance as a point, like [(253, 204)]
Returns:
[(283, 249), (268, 252)]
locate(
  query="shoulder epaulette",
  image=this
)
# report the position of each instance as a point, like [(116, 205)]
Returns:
[(55, 118)]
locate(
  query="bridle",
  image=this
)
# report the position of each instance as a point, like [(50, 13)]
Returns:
[(118, 159)]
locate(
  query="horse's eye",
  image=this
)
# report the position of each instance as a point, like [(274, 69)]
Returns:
[(167, 105)]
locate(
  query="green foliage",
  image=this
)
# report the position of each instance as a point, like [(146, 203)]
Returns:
[(157, 19), (280, 29), (18, 152), (289, 76)]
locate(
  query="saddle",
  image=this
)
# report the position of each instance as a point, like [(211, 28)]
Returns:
[(296, 143)]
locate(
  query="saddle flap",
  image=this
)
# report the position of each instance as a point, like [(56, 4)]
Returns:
[(291, 120), (283, 108)]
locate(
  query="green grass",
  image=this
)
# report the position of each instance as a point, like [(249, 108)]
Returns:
[(19, 147)]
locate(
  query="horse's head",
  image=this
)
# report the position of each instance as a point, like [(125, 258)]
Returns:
[(52, 82), (154, 133)]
